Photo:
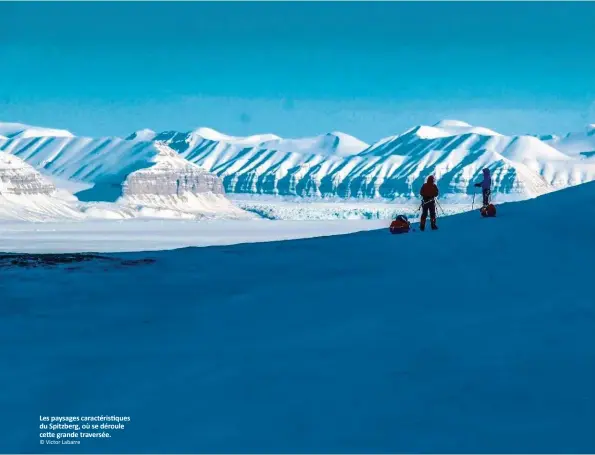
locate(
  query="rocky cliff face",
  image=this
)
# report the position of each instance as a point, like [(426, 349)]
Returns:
[(19, 178), (171, 175), (172, 183), (27, 195)]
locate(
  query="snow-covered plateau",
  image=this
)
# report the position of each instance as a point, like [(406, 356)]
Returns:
[(152, 234)]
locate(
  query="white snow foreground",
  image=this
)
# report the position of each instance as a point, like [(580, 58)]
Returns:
[(333, 164), (476, 338), (145, 233)]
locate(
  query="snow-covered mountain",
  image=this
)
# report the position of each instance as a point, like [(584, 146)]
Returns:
[(333, 164), (201, 139), (521, 166), (20, 130), (455, 152), (574, 144), (142, 135), (445, 128), (19, 178), (171, 182), (26, 195), (146, 179)]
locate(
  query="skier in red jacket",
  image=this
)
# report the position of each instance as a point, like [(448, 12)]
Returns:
[(429, 192)]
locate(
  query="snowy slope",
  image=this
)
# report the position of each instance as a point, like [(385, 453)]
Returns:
[(477, 338), (521, 165), (26, 195), (22, 131), (142, 135), (212, 135), (446, 128), (205, 136), (330, 165), (574, 144), (102, 160), (330, 144), (106, 232)]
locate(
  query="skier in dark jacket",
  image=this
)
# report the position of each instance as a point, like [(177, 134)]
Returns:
[(486, 186), (429, 192)]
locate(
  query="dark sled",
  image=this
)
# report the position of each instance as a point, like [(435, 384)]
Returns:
[(488, 211), (400, 225)]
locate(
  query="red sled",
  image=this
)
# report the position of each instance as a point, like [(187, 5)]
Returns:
[(488, 211), (400, 226)]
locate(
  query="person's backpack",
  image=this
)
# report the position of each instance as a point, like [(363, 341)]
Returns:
[(488, 211), (400, 225)]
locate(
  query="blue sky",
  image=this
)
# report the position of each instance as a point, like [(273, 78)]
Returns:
[(296, 69)]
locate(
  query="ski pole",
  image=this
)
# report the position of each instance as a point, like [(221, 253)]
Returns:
[(473, 201), (440, 207)]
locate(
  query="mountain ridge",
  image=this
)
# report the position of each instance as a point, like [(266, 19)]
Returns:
[(334, 163)]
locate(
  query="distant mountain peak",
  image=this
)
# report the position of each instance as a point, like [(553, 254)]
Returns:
[(214, 135), (447, 128), (168, 157), (348, 139), (145, 134), (20, 130), (210, 133), (448, 123), (340, 134)]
